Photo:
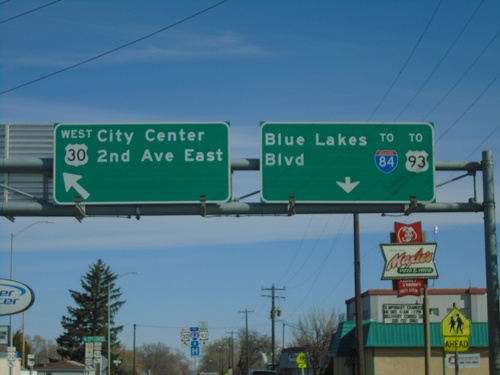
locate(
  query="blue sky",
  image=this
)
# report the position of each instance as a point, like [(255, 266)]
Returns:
[(246, 62)]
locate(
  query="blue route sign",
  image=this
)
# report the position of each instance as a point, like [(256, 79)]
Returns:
[(195, 351)]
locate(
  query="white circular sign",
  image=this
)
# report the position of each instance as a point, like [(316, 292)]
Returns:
[(15, 297)]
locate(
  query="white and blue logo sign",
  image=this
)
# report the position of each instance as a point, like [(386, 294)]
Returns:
[(15, 297), (195, 333), (386, 160)]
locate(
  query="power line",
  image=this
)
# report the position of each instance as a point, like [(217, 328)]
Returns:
[(483, 142), (463, 75), (27, 12), (469, 107), (309, 254), (440, 61), (114, 49), (333, 246), (299, 247), (406, 62)]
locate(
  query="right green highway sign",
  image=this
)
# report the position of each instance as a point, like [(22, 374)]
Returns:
[(347, 162)]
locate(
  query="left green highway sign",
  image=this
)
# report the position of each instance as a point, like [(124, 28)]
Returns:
[(94, 339), (141, 163), (347, 162)]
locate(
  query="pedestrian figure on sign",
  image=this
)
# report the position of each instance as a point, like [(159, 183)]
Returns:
[(460, 323), (452, 324)]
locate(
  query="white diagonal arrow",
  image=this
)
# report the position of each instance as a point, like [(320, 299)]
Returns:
[(348, 185), (71, 181)]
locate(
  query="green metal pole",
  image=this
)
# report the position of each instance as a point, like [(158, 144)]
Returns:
[(492, 285)]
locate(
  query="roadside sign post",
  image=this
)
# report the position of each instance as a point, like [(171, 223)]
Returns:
[(347, 162), (93, 345), (11, 356), (195, 337), (141, 163), (185, 336), (456, 329), (301, 362)]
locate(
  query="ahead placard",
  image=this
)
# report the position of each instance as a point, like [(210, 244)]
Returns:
[(347, 162), (141, 163)]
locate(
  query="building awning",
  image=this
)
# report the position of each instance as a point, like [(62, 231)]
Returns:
[(382, 335)]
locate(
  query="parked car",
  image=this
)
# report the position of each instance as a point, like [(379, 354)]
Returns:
[(263, 372)]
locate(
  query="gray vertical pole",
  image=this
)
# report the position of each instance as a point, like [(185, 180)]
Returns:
[(246, 343), (427, 329), (359, 307), (492, 287), (273, 314), (133, 353)]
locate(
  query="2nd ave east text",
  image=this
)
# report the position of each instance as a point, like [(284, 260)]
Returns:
[(118, 136)]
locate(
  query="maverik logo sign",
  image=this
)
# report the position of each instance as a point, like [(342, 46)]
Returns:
[(409, 261), (15, 297)]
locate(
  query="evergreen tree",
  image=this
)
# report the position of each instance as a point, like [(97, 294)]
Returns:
[(90, 316)]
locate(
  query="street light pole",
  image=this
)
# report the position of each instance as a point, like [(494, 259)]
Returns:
[(109, 317), (12, 236)]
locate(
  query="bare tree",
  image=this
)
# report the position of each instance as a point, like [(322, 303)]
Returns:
[(314, 333), (158, 359), (258, 344), (216, 356), (43, 349)]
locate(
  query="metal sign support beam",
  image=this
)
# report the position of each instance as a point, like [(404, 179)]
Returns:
[(490, 246)]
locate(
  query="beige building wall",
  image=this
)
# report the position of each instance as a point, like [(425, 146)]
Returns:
[(4, 367), (407, 361), (410, 361)]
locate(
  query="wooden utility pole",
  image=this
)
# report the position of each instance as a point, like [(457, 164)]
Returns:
[(273, 296), (246, 311)]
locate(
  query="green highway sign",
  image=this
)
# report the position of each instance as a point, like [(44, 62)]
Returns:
[(94, 339), (141, 163), (347, 162)]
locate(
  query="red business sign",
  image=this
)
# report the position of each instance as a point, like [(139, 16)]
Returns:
[(407, 233), (410, 287)]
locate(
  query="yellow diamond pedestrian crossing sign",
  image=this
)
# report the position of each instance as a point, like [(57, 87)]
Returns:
[(301, 360), (456, 329), (455, 324)]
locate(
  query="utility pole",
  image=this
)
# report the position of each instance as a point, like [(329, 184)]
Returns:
[(133, 352), (231, 350), (273, 296), (359, 304), (246, 311)]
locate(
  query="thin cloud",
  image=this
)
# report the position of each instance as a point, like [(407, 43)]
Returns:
[(179, 47), (192, 47)]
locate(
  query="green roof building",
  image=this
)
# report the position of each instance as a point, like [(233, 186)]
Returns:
[(393, 347)]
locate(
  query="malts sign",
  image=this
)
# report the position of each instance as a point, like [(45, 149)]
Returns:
[(409, 261)]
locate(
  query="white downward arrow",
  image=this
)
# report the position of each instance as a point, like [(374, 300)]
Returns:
[(348, 185), (71, 181)]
